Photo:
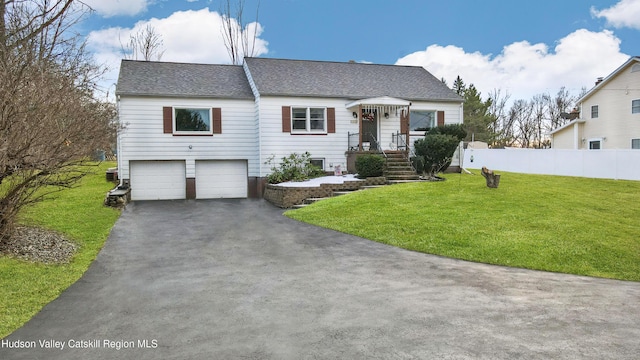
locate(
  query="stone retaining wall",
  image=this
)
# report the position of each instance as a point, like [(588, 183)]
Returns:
[(286, 197)]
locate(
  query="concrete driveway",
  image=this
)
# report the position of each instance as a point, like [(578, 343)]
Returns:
[(234, 279)]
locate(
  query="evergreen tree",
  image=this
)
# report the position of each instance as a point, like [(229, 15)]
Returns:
[(458, 86), (477, 118)]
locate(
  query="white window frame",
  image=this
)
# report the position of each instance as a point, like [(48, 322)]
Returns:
[(179, 132), (635, 106), (598, 140), (637, 141), (308, 129), (434, 124), (597, 111)]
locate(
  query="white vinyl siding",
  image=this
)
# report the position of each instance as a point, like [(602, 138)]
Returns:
[(143, 139), (330, 146)]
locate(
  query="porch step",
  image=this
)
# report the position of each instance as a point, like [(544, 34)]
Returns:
[(398, 168)]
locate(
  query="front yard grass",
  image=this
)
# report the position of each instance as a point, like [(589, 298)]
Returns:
[(552, 223), (78, 213)]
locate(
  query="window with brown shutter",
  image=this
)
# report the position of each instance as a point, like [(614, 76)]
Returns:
[(331, 120), (216, 114), (440, 118), (286, 119), (167, 119)]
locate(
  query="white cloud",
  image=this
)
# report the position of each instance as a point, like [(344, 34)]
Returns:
[(109, 8), (525, 69), (626, 13), (187, 36)]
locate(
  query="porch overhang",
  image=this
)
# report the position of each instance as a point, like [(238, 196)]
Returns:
[(385, 102), (381, 105)]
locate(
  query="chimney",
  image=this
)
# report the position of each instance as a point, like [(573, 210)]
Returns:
[(599, 80)]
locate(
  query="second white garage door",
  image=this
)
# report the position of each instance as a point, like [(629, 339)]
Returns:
[(221, 179)]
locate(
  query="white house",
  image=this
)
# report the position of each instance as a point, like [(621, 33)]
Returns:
[(609, 114), (206, 131)]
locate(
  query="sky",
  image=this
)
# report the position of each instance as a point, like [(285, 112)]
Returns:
[(522, 48)]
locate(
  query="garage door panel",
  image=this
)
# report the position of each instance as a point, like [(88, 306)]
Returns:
[(157, 180), (221, 179)]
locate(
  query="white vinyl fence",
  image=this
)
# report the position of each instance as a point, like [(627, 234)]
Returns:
[(606, 164)]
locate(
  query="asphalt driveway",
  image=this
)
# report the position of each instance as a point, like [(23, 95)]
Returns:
[(234, 279)]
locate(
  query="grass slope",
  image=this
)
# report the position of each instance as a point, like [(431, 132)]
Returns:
[(561, 224), (79, 214)]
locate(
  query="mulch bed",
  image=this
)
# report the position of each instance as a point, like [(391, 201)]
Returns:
[(39, 245)]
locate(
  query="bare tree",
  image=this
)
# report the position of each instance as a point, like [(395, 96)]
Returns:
[(501, 127), (563, 102), (239, 39), (50, 122), (146, 44), (539, 120), (520, 115)]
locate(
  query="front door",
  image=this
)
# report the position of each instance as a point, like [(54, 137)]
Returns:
[(370, 129)]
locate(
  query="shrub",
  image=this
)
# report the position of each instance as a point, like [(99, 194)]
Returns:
[(435, 151), (295, 167), (455, 130), (369, 165)]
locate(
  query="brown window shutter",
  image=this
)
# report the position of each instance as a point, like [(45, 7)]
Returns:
[(331, 120), (286, 119), (167, 119), (440, 118), (404, 121), (217, 120)]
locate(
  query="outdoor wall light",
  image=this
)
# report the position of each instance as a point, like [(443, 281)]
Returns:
[(355, 115), (386, 115)]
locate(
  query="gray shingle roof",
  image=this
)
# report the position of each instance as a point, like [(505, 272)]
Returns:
[(346, 80), (181, 79)]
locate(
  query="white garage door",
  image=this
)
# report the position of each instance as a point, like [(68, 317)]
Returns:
[(157, 180), (221, 179)]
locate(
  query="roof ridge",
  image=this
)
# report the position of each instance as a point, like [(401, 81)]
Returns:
[(176, 63), (332, 62)]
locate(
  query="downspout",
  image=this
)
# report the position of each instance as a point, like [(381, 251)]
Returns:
[(360, 127), (407, 119)]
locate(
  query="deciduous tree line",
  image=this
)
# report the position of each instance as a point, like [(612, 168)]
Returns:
[(521, 123), (50, 119)]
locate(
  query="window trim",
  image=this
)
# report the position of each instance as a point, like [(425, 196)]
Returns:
[(201, 133), (308, 130), (597, 111), (636, 107)]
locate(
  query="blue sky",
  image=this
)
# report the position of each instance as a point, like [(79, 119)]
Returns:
[(523, 48)]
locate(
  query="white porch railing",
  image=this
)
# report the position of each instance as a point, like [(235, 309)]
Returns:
[(604, 164)]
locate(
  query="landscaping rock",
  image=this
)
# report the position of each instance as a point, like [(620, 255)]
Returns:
[(39, 245)]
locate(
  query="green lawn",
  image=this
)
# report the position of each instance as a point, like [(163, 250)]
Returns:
[(78, 213), (562, 224)]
